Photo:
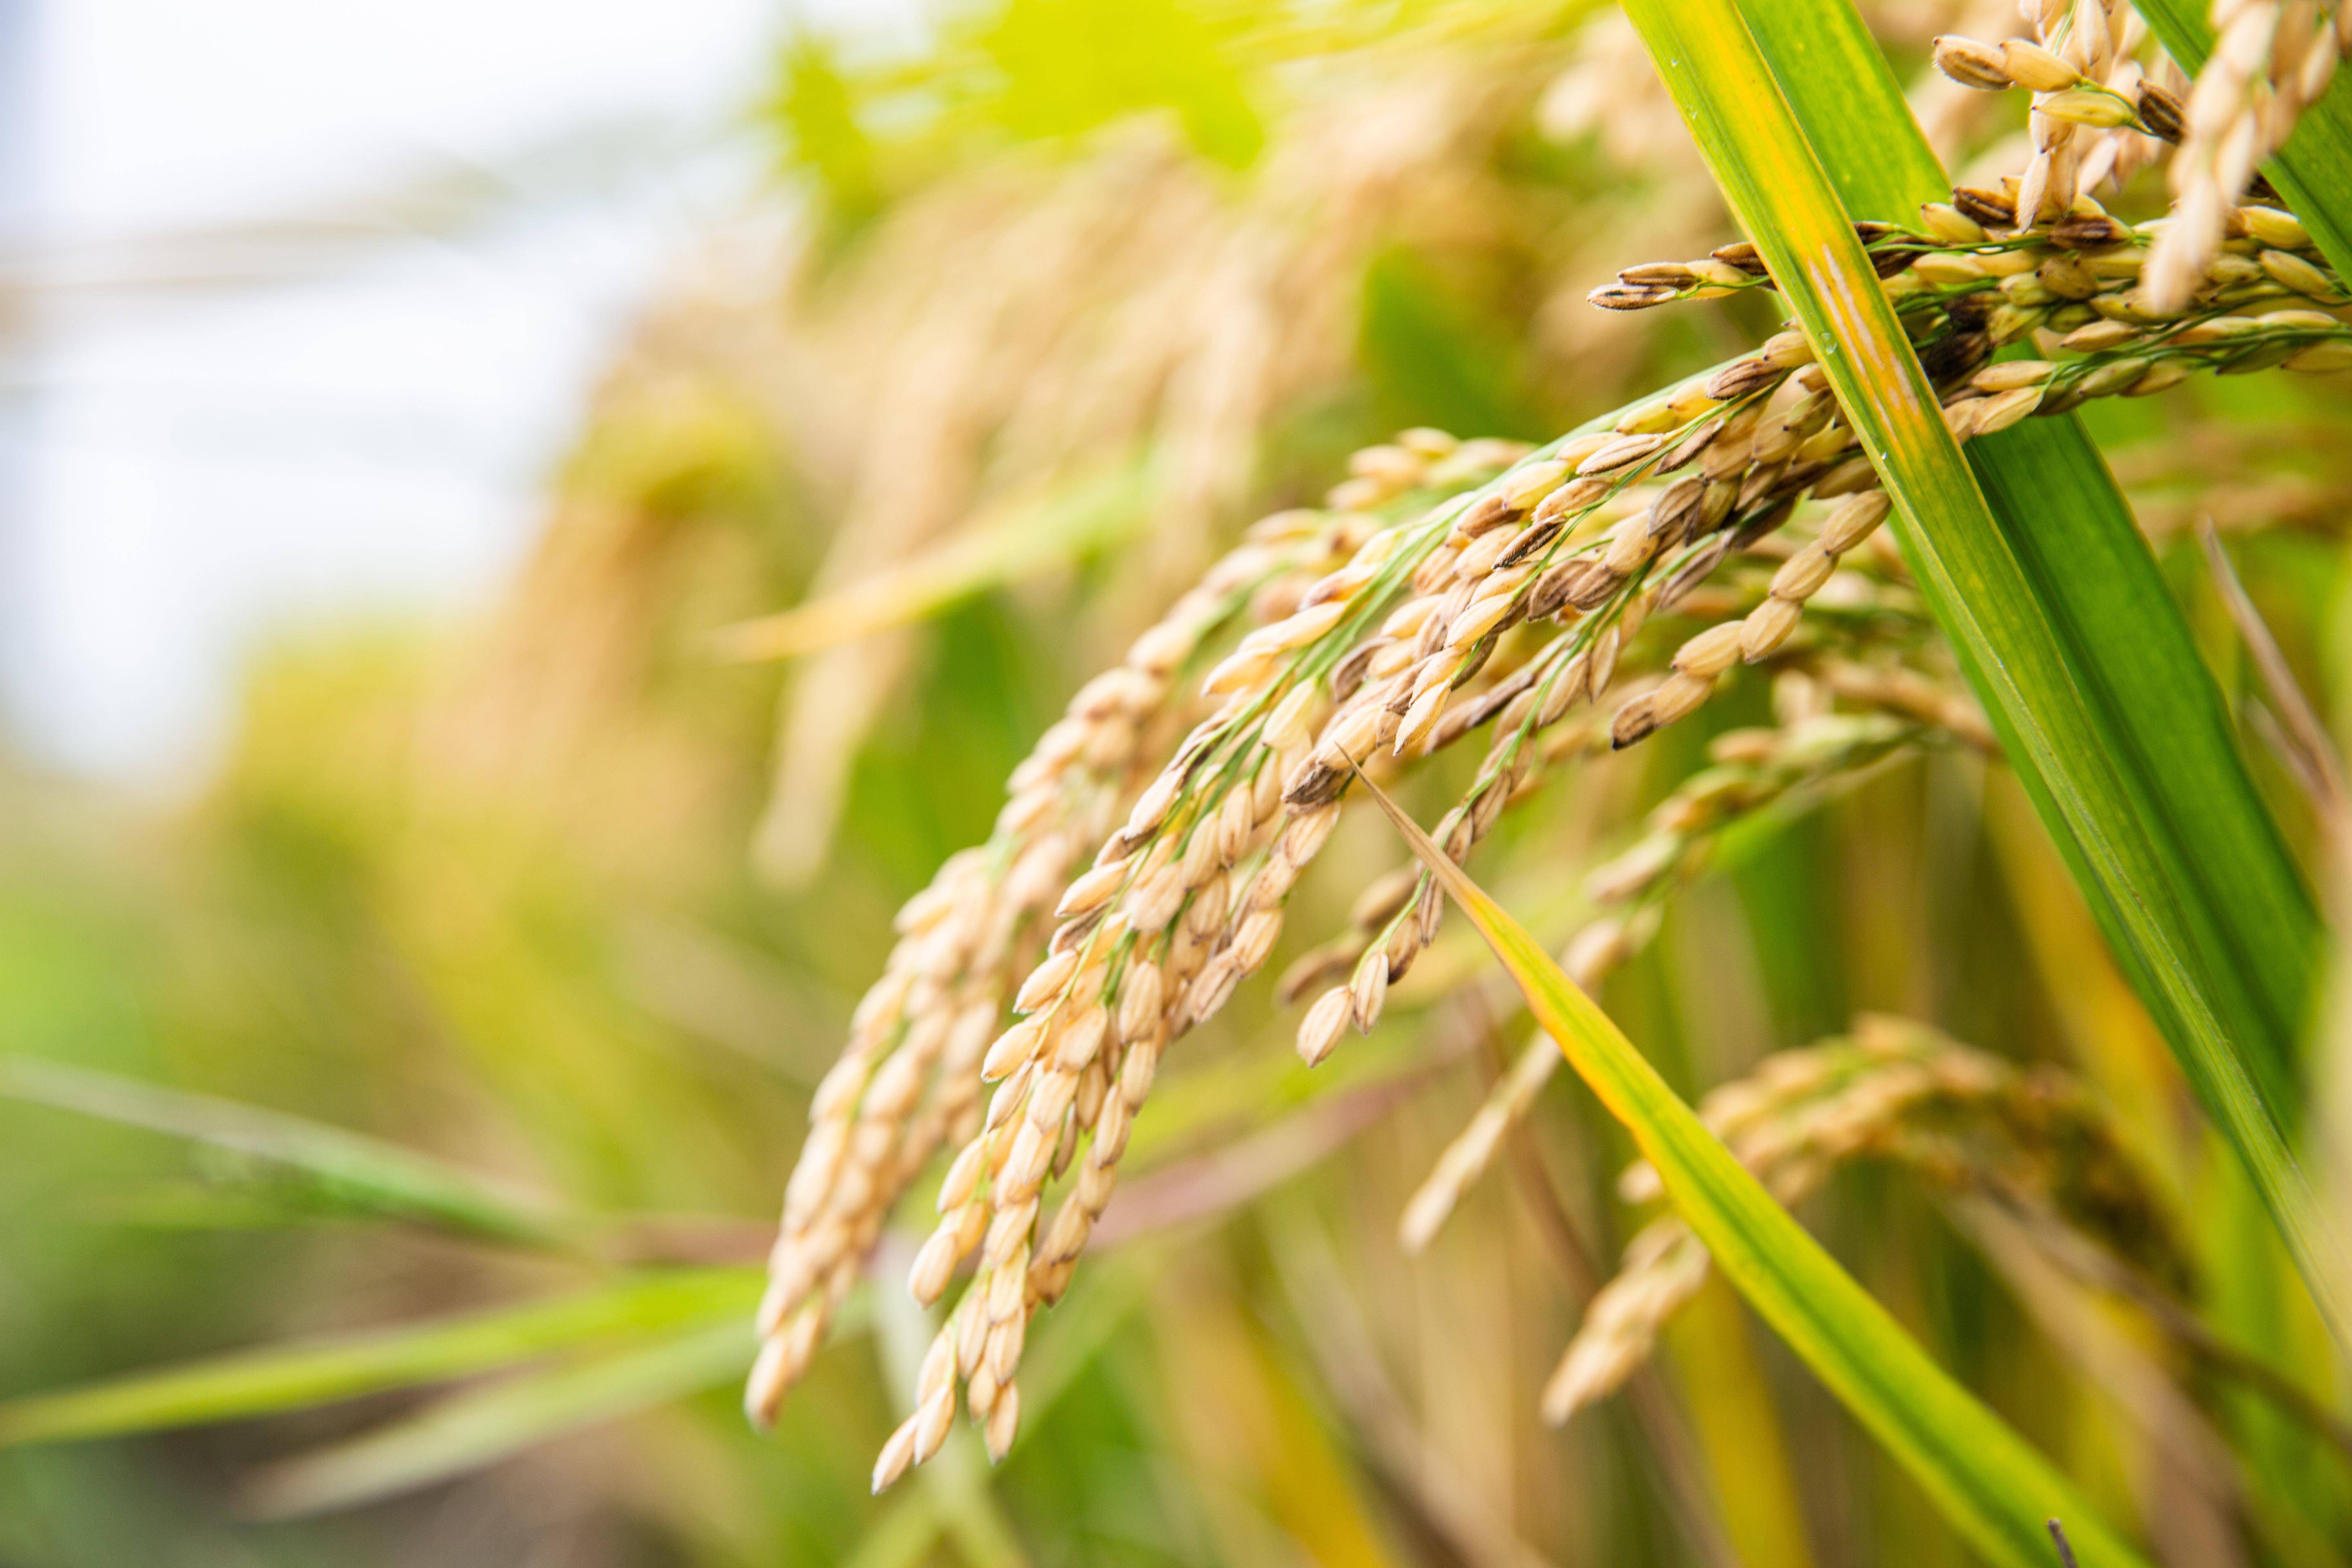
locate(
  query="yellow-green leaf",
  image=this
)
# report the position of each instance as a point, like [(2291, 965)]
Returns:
[(1988, 1482)]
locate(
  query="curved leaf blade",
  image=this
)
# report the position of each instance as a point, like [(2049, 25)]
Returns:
[(1987, 1479)]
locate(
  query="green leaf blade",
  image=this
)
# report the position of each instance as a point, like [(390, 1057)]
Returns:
[(2061, 512), (2098, 585), (352, 1170), (2012, 646), (479, 1427), (288, 1377)]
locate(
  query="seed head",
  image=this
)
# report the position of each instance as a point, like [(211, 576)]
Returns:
[(1973, 64)]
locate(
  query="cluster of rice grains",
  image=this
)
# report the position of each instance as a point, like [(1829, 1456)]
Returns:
[(1386, 645), (1391, 654), (2269, 62), (1971, 279), (2097, 117), (1898, 1091), (909, 1078), (1387, 628)]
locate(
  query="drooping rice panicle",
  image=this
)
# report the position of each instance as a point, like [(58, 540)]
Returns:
[(1897, 1092), (1663, 1267), (1186, 899), (908, 1078), (1391, 654), (2097, 118), (1949, 295), (2091, 103)]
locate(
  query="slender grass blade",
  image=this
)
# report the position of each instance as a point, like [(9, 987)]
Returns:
[(468, 1431), (291, 1377), (350, 1171)]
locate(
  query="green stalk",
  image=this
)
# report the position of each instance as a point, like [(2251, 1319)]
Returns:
[(2020, 656)]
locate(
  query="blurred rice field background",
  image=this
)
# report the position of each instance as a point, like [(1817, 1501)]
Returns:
[(464, 1021)]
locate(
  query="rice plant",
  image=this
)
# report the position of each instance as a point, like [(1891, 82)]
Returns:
[(1826, 682)]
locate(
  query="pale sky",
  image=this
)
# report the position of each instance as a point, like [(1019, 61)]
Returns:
[(210, 434)]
